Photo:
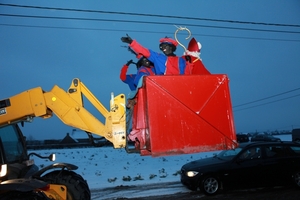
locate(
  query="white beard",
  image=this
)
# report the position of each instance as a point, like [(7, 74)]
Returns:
[(195, 54)]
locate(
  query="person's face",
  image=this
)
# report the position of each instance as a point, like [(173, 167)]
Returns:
[(166, 48), (145, 62)]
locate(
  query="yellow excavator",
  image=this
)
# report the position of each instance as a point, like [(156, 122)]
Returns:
[(172, 115)]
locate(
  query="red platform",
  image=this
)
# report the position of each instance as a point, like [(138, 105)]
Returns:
[(182, 115)]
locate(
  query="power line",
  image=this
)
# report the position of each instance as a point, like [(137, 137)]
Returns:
[(268, 102), (145, 32), (267, 97), (146, 22), (151, 15)]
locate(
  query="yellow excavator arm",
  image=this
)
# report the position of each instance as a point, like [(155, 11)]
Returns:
[(69, 108)]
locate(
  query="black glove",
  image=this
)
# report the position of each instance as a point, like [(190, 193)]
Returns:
[(126, 39), (188, 58), (129, 62)]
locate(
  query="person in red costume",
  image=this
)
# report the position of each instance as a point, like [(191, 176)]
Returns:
[(165, 64), (194, 63)]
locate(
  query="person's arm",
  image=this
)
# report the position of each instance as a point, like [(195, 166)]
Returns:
[(123, 72), (139, 48)]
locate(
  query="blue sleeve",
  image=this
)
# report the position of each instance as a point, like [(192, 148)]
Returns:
[(159, 60), (130, 81)]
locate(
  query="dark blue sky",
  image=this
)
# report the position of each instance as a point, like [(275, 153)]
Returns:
[(261, 59)]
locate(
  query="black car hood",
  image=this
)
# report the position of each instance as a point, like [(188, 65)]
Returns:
[(203, 163)]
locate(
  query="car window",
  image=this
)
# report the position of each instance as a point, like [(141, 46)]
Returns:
[(276, 151), (13, 148), (229, 154), (295, 149), (251, 153)]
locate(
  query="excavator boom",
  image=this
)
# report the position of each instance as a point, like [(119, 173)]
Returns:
[(69, 108)]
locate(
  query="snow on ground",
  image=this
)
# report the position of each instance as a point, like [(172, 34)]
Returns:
[(108, 167)]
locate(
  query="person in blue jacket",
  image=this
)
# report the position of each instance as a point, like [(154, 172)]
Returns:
[(165, 63), (144, 68), (128, 78)]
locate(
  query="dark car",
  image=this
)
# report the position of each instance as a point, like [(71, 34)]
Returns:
[(242, 138), (261, 137), (250, 165)]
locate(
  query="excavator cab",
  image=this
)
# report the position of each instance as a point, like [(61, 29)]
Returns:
[(20, 178), (13, 151)]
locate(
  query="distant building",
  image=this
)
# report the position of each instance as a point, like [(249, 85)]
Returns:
[(68, 140)]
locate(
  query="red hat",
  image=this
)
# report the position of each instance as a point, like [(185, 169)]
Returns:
[(168, 40), (194, 45)]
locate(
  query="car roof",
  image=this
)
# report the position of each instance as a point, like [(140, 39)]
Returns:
[(243, 145), (262, 135)]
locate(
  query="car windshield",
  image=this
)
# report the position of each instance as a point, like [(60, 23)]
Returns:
[(228, 154)]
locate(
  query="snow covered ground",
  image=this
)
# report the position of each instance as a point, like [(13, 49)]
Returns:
[(107, 167)]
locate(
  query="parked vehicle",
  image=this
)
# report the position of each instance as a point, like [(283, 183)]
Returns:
[(250, 165), (266, 138), (296, 135), (242, 138)]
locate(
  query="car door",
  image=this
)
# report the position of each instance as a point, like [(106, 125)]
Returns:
[(244, 171), (276, 164)]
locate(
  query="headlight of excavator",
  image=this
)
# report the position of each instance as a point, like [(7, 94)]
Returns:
[(52, 157), (191, 173), (3, 170)]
